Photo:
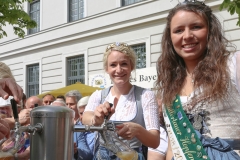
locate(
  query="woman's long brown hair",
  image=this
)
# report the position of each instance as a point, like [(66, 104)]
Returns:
[(211, 73)]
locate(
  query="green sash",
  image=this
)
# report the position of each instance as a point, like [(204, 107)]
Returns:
[(184, 132)]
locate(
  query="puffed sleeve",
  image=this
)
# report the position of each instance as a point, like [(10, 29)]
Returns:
[(234, 66), (150, 110), (237, 55), (94, 101)]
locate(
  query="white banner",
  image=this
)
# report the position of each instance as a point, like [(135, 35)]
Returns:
[(142, 77)]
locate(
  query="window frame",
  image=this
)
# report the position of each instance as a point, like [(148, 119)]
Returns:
[(35, 83), (77, 69), (135, 1), (139, 44), (72, 54), (83, 12), (31, 31)]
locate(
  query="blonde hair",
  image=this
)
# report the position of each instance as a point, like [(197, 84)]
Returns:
[(123, 48), (5, 71)]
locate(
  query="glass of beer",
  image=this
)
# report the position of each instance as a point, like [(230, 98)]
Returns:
[(6, 156), (119, 146)]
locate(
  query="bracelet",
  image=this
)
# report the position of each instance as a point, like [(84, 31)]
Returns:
[(15, 156)]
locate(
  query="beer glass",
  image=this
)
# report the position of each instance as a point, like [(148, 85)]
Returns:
[(117, 146), (6, 156)]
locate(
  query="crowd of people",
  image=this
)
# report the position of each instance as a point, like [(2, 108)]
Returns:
[(191, 113)]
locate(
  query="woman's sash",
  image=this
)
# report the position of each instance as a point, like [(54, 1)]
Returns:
[(184, 141)]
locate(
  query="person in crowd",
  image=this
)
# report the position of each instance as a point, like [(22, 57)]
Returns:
[(24, 118), (85, 140), (5, 107), (119, 60), (61, 97), (24, 99), (197, 85), (72, 97), (58, 102), (81, 106), (160, 152), (6, 112), (33, 101), (48, 99)]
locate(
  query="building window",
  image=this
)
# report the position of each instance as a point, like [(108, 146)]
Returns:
[(140, 51), (33, 80), (128, 2), (35, 15), (75, 70), (76, 10)]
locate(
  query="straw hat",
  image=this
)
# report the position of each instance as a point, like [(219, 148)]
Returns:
[(83, 101)]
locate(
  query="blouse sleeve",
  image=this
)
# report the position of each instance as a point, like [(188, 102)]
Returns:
[(235, 70), (237, 55), (150, 110), (94, 101)]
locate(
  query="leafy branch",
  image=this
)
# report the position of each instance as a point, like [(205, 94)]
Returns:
[(232, 6), (12, 13)]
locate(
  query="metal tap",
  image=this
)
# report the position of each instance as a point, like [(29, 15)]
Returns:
[(107, 125), (18, 130)]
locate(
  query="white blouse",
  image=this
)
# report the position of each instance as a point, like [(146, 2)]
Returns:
[(126, 107), (224, 116)]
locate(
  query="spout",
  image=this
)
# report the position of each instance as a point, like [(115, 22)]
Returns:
[(33, 129), (107, 125), (87, 128)]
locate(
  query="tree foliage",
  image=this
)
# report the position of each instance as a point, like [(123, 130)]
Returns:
[(12, 13), (232, 6)]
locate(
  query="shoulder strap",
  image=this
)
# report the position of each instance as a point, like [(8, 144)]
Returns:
[(138, 92), (104, 94), (138, 97)]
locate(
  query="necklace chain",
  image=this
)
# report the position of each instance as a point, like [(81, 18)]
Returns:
[(184, 91), (190, 75)]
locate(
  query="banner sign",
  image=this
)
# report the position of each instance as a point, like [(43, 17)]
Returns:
[(144, 77)]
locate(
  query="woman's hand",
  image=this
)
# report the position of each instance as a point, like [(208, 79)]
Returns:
[(102, 111), (128, 130)]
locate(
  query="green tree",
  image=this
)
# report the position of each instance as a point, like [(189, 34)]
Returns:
[(12, 13), (232, 6)]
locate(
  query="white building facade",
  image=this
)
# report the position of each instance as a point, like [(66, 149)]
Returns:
[(68, 44)]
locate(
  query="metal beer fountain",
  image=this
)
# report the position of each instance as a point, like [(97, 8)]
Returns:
[(52, 130)]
